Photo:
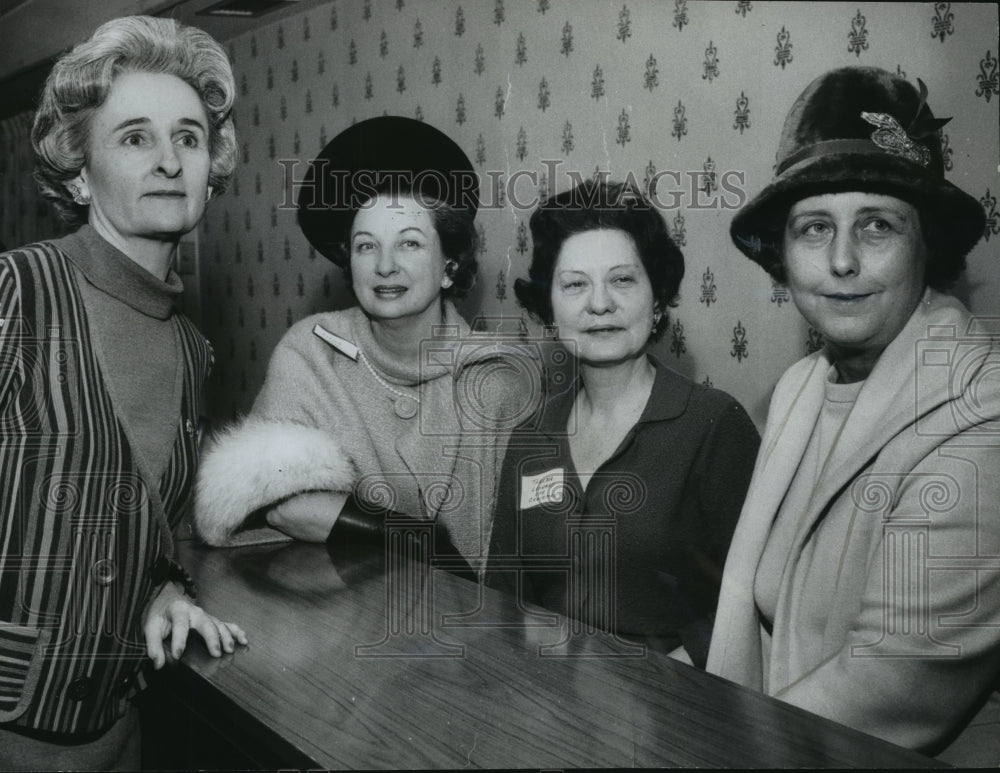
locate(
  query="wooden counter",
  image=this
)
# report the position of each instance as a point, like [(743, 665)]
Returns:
[(367, 666)]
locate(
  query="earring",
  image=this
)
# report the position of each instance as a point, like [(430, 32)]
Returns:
[(656, 320), (449, 268), (77, 194)]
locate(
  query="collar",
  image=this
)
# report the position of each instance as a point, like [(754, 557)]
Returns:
[(115, 273), (668, 399), (446, 341)]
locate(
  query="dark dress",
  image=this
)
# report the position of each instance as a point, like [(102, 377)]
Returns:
[(662, 509)]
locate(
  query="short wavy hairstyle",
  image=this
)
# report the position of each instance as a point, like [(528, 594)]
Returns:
[(81, 80), (456, 228), (598, 205)]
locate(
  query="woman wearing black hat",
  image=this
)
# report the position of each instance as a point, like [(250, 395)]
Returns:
[(862, 583), (391, 405)]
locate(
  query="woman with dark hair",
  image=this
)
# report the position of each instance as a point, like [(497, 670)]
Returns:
[(100, 392), (862, 583), (393, 404), (628, 439)]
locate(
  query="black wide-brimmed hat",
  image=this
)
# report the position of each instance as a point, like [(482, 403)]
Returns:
[(392, 155), (860, 129)]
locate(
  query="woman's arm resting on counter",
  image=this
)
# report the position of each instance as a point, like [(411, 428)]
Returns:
[(308, 516)]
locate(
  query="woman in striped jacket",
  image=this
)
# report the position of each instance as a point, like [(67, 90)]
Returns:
[(100, 388)]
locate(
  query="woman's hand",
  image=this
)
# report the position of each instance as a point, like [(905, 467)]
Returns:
[(173, 613), (309, 516)]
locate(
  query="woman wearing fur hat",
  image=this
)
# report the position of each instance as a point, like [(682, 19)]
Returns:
[(391, 405), (862, 583)]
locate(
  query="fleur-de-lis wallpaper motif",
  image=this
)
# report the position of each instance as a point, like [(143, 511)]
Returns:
[(419, 113), (567, 138), (566, 46), (707, 288), (501, 287), (742, 113), (544, 95), (707, 382), (648, 186), (988, 78), (680, 122), (521, 52), (624, 129), (281, 36), (522, 144), (543, 6), (498, 13), (522, 239), (711, 63), (369, 89), (436, 71), (480, 150), (858, 36), (400, 80), (900, 72), (418, 34), (383, 45), (651, 78), (783, 51), (334, 22), (459, 22), (460, 110), (779, 293), (352, 53), (624, 24), (677, 232), (480, 66), (366, 10), (680, 14), (270, 78), (743, 7), (597, 83), (741, 349), (942, 23), (334, 97), (295, 70), (678, 342), (946, 153), (321, 64), (709, 182), (992, 216), (814, 340)]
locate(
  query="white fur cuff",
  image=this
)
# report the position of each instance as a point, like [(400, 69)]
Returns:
[(259, 462)]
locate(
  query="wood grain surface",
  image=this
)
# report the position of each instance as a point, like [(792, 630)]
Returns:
[(373, 664)]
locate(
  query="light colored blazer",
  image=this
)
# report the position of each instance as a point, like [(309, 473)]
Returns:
[(911, 644)]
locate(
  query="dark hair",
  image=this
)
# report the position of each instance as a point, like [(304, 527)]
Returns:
[(944, 264), (592, 206), (456, 228), (81, 80)]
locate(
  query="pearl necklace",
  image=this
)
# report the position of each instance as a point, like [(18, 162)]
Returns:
[(405, 405)]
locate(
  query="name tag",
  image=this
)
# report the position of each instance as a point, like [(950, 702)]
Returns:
[(546, 488)]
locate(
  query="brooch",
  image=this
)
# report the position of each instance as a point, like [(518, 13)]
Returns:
[(891, 138)]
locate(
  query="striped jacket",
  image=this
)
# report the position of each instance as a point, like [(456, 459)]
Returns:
[(85, 535)]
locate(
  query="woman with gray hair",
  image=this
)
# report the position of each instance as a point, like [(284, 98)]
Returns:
[(100, 391), (862, 583)]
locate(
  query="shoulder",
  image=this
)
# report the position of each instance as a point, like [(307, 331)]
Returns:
[(504, 377), (301, 339)]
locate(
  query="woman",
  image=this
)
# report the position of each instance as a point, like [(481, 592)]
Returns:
[(391, 405), (100, 392), (668, 459), (862, 583)]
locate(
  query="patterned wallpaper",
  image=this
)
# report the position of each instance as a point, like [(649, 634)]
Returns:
[(690, 93)]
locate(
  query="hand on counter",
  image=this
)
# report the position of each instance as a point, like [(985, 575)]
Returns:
[(172, 613), (309, 516)]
